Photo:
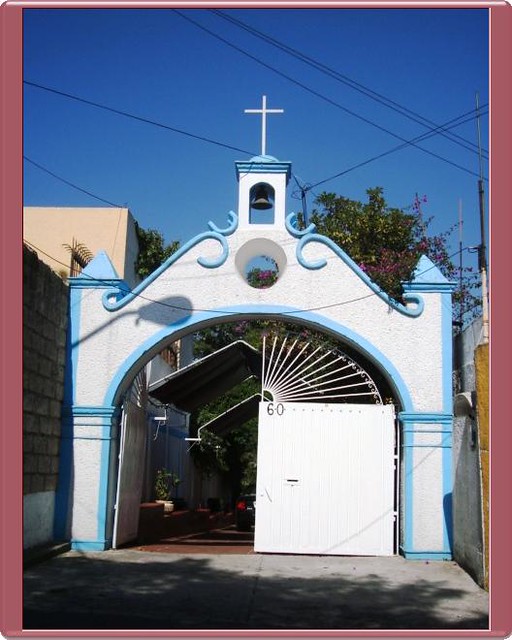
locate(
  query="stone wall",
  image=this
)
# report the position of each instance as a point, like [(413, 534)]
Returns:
[(45, 312), (482, 411), (470, 458)]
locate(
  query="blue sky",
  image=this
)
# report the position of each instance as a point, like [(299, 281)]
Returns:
[(160, 66)]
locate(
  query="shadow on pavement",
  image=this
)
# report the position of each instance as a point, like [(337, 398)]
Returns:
[(133, 590), (227, 540)]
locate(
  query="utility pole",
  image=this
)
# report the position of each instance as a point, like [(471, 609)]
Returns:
[(482, 260), (461, 312)]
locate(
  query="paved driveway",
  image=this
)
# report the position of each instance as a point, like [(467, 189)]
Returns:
[(132, 589), (225, 540)]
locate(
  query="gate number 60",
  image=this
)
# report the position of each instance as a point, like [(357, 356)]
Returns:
[(278, 409)]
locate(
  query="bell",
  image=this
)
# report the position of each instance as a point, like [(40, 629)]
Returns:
[(261, 199)]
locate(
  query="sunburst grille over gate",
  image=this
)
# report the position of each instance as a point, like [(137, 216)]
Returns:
[(301, 373)]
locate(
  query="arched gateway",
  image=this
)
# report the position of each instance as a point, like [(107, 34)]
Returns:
[(115, 331)]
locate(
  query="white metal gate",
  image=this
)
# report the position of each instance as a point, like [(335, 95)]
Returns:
[(131, 468), (325, 482)]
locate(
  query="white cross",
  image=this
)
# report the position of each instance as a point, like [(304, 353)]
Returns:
[(263, 112)]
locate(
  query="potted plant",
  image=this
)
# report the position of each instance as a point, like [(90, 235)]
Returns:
[(174, 481), (162, 489)]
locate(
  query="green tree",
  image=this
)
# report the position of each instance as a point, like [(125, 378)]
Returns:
[(233, 456), (152, 251), (387, 243)]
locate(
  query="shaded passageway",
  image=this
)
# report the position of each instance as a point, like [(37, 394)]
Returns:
[(136, 590)]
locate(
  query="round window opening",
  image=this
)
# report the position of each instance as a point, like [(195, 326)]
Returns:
[(260, 262), (261, 272)]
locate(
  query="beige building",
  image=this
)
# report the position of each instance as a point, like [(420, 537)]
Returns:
[(59, 234)]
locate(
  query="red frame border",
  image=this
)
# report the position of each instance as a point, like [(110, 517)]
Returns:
[(11, 175)]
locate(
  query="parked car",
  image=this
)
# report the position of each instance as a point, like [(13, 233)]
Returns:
[(245, 512)]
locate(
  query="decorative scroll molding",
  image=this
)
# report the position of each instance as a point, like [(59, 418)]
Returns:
[(230, 229), (306, 238), (291, 227), (117, 298)]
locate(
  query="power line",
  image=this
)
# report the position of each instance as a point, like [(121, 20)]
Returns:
[(134, 117), (204, 139), (386, 153), (71, 184), (319, 95), (224, 312), (89, 193), (303, 188), (357, 86)]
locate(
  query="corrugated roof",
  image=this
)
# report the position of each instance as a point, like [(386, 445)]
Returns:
[(208, 378)]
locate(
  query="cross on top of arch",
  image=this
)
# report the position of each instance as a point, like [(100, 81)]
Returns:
[(264, 111)]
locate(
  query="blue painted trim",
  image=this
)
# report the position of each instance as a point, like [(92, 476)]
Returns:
[(427, 446), (291, 226), (407, 481), (107, 415), (426, 555), (115, 299), (144, 352), (91, 410), (264, 158), (319, 264), (448, 498), (91, 545), (75, 318), (103, 489), (63, 492), (90, 282), (430, 418), (427, 275), (426, 431), (412, 425), (433, 287), (258, 165), (230, 229), (71, 430), (447, 462), (447, 352), (186, 324)]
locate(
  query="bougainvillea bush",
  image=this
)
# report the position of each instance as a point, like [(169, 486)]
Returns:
[(387, 243)]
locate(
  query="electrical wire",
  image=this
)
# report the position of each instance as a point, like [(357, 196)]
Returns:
[(394, 149), (302, 188), (89, 193), (357, 86), (438, 130), (70, 184), (224, 312), (203, 139), (321, 96), (64, 94)]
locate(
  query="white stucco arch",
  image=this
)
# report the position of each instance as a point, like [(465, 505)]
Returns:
[(144, 352), (113, 330)]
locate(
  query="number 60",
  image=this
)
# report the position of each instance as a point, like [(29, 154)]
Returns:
[(277, 409)]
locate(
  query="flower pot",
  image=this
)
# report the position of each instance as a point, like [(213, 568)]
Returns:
[(168, 505)]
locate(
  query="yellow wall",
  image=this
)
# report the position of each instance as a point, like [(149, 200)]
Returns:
[(108, 229), (482, 394)]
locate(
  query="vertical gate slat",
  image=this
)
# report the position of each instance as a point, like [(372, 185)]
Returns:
[(325, 479)]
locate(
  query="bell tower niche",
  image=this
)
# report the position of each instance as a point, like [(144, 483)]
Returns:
[(262, 184)]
